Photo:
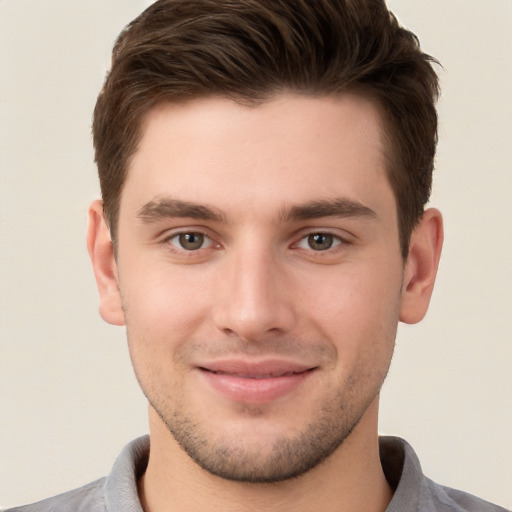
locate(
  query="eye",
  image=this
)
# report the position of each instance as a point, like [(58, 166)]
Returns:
[(319, 242), (190, 241)]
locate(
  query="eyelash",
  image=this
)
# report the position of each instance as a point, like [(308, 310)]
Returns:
[(180, 234), (308, 238)]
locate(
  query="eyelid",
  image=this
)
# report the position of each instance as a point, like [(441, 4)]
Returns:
[(341, 234), (338, 240), (171, 234), (206, 241)]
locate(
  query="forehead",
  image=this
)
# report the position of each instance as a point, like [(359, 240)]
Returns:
[(290, 149)]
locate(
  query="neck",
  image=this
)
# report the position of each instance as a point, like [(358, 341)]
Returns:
[(350, 480)]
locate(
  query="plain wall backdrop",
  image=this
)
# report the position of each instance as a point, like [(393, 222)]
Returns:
[(68, 399)]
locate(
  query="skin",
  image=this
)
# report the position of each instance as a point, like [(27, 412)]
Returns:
[(292, 261)]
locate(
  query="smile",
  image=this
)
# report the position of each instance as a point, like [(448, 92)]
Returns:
[(255, 376), (255, 383)]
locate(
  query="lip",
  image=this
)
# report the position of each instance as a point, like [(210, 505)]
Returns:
[(255, 382)]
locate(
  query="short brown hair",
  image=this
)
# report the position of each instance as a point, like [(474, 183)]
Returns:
[(248, 50)]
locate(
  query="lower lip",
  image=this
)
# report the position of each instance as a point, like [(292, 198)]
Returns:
[(255, 391)]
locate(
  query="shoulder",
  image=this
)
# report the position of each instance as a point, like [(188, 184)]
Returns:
[(446, 499), (413, 491), (117, 491), (89, 498)]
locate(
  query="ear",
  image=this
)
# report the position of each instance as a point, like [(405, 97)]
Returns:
[(421, 266), (101, 252)]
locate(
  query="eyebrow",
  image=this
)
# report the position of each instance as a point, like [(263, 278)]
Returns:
[(339, 207), (163, 208)]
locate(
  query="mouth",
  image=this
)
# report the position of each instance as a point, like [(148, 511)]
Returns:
[(256, 375), (255, 383)]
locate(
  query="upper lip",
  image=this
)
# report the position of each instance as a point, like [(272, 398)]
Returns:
[(255, 369)]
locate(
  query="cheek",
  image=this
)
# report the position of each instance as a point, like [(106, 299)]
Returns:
[(161, 298), (162, 311), (359, 312)]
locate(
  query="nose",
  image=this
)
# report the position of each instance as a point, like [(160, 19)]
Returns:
[(254, 300)]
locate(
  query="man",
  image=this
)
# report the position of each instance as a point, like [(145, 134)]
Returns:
[(264, 169)]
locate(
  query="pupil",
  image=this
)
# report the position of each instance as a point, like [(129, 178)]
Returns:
[(320, 242), (191, 241)]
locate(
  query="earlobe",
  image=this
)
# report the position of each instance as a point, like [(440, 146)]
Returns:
[(421, 267), (101, 252)]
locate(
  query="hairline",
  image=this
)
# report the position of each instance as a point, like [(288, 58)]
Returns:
[(388, 143)]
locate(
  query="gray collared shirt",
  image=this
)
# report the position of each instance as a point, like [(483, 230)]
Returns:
[(414, 492)]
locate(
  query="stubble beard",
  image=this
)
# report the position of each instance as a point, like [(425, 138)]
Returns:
[(243, 456), (286, 457)]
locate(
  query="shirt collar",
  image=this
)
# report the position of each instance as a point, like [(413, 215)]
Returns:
[(120, 489), (399, 462)]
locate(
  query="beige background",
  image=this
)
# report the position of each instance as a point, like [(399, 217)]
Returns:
[(68, 401)]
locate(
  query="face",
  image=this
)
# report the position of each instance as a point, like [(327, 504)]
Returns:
[(260, 275)]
